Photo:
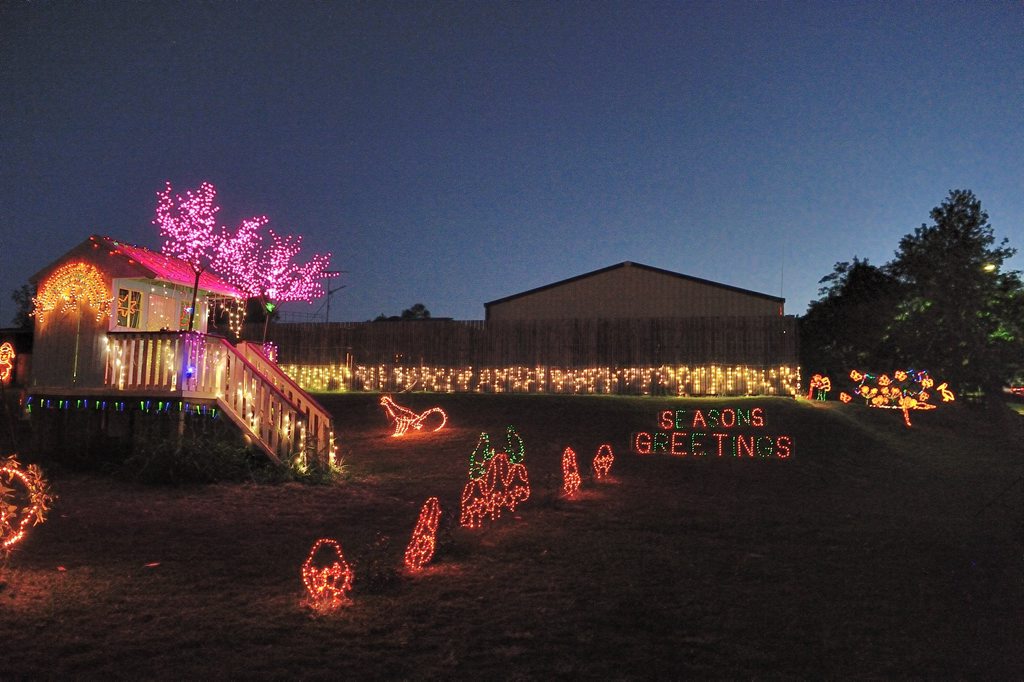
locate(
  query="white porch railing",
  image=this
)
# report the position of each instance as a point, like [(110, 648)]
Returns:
[(281, 418)]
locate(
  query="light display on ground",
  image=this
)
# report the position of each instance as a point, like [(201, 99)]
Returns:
[(905, 390), (819, 387), (424, 536), (7, 356), (660, 380), (20, 509), (71, 285), (327, 581), (570, 473), (483, 452), (603, 461), (405, 419), (712, 432), (504, 485)]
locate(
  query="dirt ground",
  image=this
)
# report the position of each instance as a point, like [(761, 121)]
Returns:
[(873, 550)]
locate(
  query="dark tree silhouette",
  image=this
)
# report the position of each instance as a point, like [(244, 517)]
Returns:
[(961, 315)]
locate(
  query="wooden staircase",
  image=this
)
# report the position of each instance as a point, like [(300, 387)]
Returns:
[(268, 407)]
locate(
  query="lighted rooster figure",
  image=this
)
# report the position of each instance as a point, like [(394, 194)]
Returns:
[(405, 418)]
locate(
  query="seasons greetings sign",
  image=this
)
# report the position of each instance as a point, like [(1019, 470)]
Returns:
[(723, 432)]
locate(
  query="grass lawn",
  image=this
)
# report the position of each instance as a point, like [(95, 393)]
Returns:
[(873, 551)]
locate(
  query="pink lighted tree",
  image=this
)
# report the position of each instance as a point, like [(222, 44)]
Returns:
[(264, 267), (187, 224)]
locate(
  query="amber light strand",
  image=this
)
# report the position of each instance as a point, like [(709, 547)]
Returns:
[(424, 537)]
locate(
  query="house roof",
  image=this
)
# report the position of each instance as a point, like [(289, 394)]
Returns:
[(630, 264), (143, 262)]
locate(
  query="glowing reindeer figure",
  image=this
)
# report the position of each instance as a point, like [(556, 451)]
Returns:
[(405, 418)]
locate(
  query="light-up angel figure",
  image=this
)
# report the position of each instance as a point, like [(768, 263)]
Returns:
[(406, 419)]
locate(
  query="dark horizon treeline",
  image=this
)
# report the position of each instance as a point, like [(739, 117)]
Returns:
[(943, 304)]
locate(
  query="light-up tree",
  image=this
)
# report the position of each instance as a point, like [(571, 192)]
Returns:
[(264, 266), (187, 224)]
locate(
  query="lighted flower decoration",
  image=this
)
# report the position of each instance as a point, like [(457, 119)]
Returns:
[(819, 388), (503, 486), (24, 508), (603, 461), (404, 418), (327, 581), (6, 361), (906, 390), (70, 286), (424, 537), (570, 473)]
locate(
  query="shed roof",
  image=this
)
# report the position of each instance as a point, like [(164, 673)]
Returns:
[(142, 262), (630, 264)]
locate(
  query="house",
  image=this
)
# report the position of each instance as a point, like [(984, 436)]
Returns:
[(112, 332), (633, 291)]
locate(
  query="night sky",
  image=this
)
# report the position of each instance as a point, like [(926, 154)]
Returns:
[(455, 153)]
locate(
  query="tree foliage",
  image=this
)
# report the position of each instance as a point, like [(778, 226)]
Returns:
[(944, 303), (417, 311), (22, 297)]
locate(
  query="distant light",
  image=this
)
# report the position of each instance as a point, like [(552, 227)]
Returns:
[(989, 267)]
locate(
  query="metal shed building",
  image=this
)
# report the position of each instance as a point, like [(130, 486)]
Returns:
[(633, 291)]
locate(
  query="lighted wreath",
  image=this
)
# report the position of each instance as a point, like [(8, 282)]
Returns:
[(24, 508), (327, 581)]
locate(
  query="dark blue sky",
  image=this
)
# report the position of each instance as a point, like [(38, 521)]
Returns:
[(455, 153)]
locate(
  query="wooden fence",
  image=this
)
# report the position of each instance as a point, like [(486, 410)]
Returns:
[(750, 341), (718, 355)]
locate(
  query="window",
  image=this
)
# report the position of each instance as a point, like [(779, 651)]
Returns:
[(129, 303)]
